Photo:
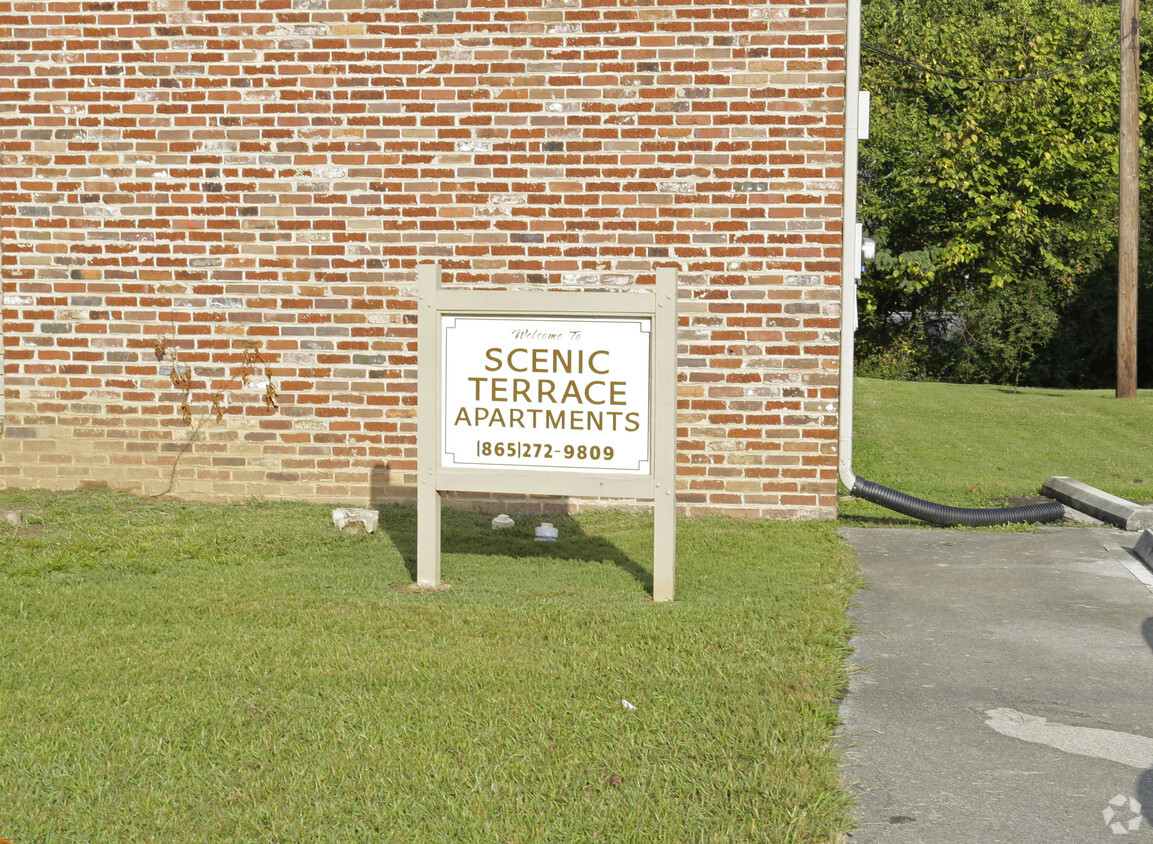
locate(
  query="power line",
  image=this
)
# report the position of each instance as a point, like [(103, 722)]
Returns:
[(1006, 80)]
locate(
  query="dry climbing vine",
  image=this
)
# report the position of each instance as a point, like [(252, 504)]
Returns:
[(252, 363)]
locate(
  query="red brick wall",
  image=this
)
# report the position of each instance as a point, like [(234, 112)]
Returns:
[(267, 174)]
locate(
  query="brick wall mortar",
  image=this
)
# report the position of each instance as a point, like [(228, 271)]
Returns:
[(269, 177)]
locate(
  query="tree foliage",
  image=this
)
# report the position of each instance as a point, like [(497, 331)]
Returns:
[(992, 202)]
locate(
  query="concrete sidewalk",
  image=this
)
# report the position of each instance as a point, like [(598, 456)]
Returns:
[(1004, 688)]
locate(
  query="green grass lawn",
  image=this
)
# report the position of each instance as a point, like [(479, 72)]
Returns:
[(201, 673), (979, 445)]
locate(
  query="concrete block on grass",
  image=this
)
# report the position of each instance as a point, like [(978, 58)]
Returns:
[(1109, 508), (355, 520)]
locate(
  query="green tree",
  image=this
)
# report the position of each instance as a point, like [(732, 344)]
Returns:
[(991, 201)]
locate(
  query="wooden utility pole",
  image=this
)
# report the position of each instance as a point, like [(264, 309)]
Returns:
[(1127, 239)]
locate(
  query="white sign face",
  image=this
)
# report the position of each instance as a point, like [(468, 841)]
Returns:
[(546, 393)]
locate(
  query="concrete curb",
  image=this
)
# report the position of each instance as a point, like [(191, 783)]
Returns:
[(1109, 508), (1144, 549)]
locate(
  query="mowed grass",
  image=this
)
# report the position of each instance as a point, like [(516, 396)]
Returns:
[(198, 673), (975, 446)]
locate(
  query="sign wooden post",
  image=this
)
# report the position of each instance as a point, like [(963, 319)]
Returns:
[(548, 393)]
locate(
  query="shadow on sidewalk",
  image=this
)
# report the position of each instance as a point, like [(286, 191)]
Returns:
[(1145, 781)]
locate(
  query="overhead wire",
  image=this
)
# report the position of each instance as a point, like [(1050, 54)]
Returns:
[(1004, 80)]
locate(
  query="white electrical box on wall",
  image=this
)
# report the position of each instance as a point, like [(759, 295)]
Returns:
[(864, 100)]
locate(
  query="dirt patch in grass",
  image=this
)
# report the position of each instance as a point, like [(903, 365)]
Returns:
[(410, 588)]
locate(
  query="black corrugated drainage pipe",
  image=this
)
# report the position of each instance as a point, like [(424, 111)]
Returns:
[(942, 514)]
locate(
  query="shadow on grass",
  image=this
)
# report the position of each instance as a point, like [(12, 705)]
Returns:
[(467, 532), (1009, 391), (880, 521)]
